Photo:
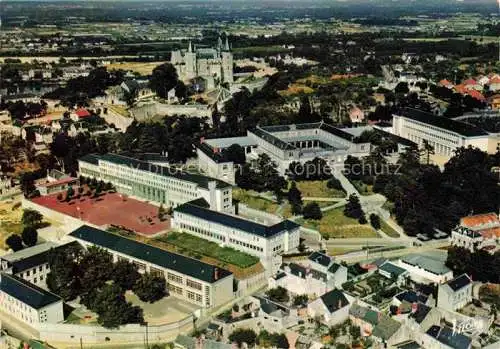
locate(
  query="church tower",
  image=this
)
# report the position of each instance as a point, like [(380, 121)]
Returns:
[(190, 59), (227, 63)]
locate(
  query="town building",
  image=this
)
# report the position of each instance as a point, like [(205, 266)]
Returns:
[(455, 293), (332, 307), (300, 280), (393, 272), (51, 186), (265, 242), (161, 184), (214, 65), (285, 144), (477, 232), (189, 279), (425, 269), (445, 338), (29, 303), (214, 164), (443, 134), (274, 315), (30, 264)]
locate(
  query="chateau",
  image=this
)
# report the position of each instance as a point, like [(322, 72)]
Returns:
[(214, 65)]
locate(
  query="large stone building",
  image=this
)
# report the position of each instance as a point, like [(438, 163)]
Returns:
[(443, 134), (213, 65), (161, 184), (265, 242), (286, 144), (455, 294), (187, 278)]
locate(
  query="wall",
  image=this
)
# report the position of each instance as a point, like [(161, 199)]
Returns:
[(69, 333), (70, 223)]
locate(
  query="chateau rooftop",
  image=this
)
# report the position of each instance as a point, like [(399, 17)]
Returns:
[(26, 292)]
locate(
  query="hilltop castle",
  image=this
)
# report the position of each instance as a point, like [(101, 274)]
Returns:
[(214, 65)]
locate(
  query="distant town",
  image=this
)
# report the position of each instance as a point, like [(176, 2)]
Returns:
[(222, 175)]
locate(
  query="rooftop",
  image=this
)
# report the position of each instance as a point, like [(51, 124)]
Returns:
[(392, 269), (459, 282), (447, 336), (185, 265), (429, 264), (458, 127), (480, 220), (235, 221), (26, 292), (320, 258), (165, 171), (334, 300)]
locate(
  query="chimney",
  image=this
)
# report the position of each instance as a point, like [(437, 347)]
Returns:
[(216, 273)]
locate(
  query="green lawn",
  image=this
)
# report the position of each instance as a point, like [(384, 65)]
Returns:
[(386, 228), (251, 199), (198, 247), (318, 189), (335, 225)]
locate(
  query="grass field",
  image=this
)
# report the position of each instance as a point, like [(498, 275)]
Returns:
[(337, 251), (295, 89), (318, 189), (250, 199), (269, 50), (195, 245), (143, 68), (10, 219), (335, 225), (386, 228)]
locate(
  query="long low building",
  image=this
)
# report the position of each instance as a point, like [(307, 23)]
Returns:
[(161, 184), (444, 134), (189, 279), (28, 303), (265, 242), (425, 269)]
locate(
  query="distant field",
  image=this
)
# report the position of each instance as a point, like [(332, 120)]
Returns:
[(272, 49), (318, 189), (295, 89), (143, 68)]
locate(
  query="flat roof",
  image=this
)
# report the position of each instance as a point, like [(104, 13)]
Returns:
[(26, 292), (244, 141), (153, 168), (462, 128), (179, 263), (235, 222)]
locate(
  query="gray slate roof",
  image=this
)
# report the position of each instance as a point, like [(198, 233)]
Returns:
[(184, 265), (26, 292), (234, 221)]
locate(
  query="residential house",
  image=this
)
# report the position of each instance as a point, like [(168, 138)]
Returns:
[(455, 293), (187, 342), (471, 84), (393, 272), (495, 83), (275, 315), (476, 232), (332, 308), (438, 337), (425, 269), (494, 102)]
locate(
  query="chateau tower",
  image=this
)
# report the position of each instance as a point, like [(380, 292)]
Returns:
[(190, 59), (227, 63)]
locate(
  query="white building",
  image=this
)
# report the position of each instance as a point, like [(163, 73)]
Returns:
[(455, 294), (477, 232), (437, 337), (265, 242), (285, 144), (393, 272), (275, 315), (444, 134), (150, 181), (214, 164), (189, 279), (28, 303), (423, 269), (332, 307)]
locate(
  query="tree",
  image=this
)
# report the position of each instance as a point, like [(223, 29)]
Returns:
[(278, 294), (113, 309), (125, 274), (353, 207), (150, 288), (375, 221), (163, 79), (428, 150), (312, 211), (63, 278), (334, 183), (299, 300), (235, 153), (29, 236), (243, 335), (401, 88), (294, 195), (95, 268), (31, 218), (15, 242)]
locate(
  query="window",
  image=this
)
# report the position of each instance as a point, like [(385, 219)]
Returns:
[(193, 284)]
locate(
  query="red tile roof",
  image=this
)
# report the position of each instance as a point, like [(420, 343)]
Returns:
[(495, 80), (470, 82), (445, 82), (82, 113), (479, 219), (477, 95)]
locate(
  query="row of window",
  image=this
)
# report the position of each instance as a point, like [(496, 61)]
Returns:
[(203, 232)]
